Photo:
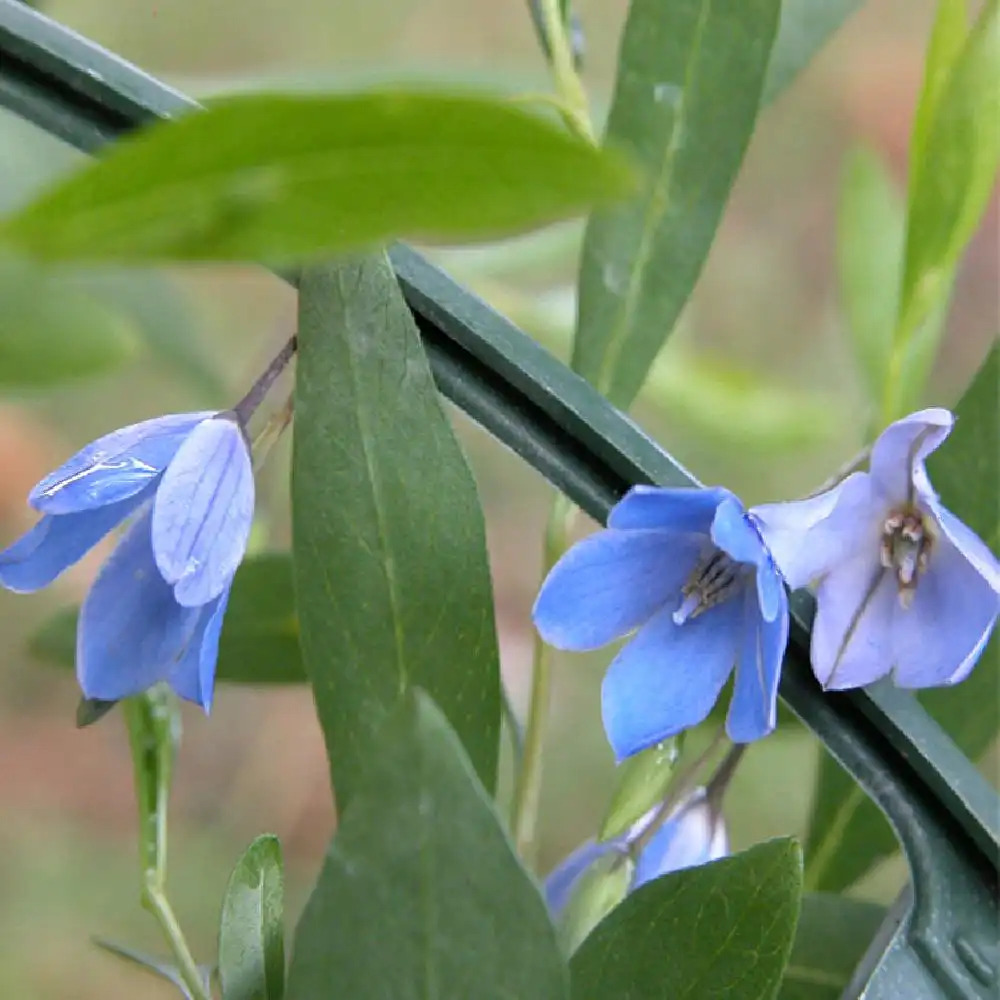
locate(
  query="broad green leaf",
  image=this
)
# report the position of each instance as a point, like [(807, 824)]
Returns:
[(723, 929), (833, 934), (421, 894), (959, 160), (157, 966), (284, 177), (871, 223), (390, 557), (251, 933), (690, 78), (640, 783), (805, 27), (260, 633), (847, 833), (50, 332)]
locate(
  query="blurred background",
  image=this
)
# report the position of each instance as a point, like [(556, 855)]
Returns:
[(757, 390)]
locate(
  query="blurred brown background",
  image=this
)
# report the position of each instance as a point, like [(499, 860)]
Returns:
[(763, 339)]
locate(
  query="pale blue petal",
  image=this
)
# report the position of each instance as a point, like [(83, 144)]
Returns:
[(971, 546), (561, 881), (609, 584), (203, 512), (669, 676), (114, 467), (753, 712), (852, 632), (807, 538), (131, 632), (193, 675), (954, 608), (58, 541), (689, 511), (902, 447), (733, 532), (692, 836)]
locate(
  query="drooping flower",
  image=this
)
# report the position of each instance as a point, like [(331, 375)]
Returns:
[(693, 834), (688, 569), (155, 610), (902, 585)]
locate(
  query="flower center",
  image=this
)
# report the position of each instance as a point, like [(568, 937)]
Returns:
[(714, 578), (905, 549)]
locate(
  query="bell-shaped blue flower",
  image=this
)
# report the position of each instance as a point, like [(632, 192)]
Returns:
[(902, 585), (155, 611), (693, 834), (688, 569)]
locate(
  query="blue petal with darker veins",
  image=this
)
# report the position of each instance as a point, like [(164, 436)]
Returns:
[(114, 467), (609, 584), (733, 532), (686, 510), (753, 711), (56, 542), (669, 676), (203, 512), (132, 633), (901, 448)]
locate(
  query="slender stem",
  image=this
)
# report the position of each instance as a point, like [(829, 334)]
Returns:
[(528, 788), (515, 730), (155, 900), (573, 103), (246, 407)]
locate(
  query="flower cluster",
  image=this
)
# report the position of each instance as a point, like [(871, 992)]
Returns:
[(902, 585), (155, 610)]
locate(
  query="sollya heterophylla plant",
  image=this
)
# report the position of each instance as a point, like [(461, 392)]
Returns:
[(693, 582)]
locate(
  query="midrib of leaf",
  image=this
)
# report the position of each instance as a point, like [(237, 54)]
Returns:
[(659, 202), (388, 563), (815, 977), (821, 857)]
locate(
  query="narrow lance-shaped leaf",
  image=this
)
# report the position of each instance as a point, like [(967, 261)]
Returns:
[(723, 929), (251, 933), (690, 79), (260, 633), (847, 833), (281, 177), (421, 894), (391, 570)]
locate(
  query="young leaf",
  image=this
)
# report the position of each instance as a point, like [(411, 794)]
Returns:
[(391, 571), (597, 892), (847, 833), (50, 333), (421, 894), (640, 783), (157, 966), (723, 929), (260, 633), (251, 934), (282, 177), (871, 223), (690, 78), (833, 935)]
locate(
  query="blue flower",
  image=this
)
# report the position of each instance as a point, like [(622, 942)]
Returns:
[(902, 584), (155, 610), (692, 835), (688, 569)]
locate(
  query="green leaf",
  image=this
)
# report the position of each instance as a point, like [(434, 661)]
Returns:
[(260, 633), (251, 934), (871, 225), (421, 894), (640, 783), (597, 892), (157, 966), (390, 555), (50, 332), (283, 177), (959, 160), (805, 27), (723, 929), (833, 934), (689, 84), (847, 833)]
